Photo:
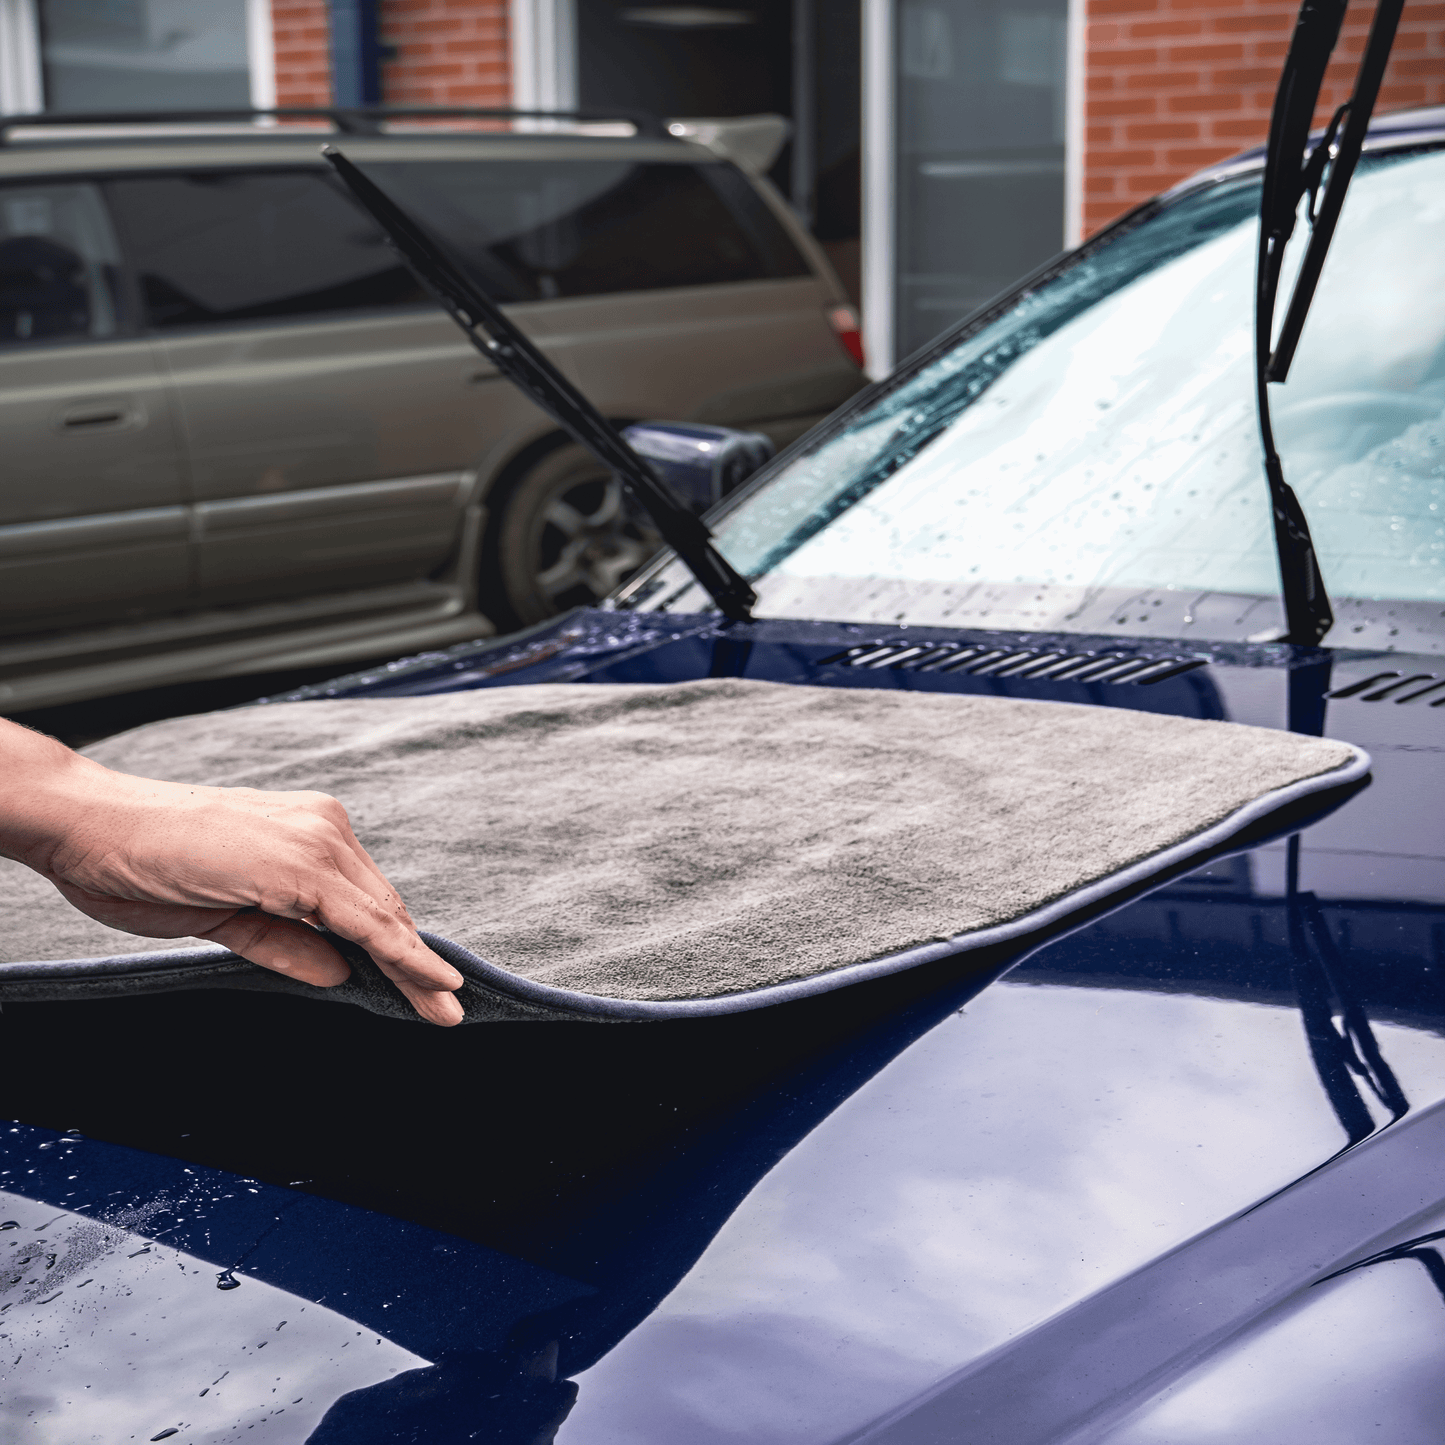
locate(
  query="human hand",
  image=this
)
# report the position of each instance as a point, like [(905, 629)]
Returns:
[(251, 870)]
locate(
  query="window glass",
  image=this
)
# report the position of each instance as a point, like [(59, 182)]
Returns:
[(144, 54), (1102, 432), (980, 135), (58, 265), (531, 230), (242, 246)]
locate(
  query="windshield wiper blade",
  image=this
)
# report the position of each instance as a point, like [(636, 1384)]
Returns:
[(1292, 168), (1339, 148), (525, 365)]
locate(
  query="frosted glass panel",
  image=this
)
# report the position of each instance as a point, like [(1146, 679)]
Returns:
[(144, 54), (981, 153)]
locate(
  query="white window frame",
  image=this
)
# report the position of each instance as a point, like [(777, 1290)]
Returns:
[(1074, 91), (261, 54), (544, 56), (22, 81), (880, 186)]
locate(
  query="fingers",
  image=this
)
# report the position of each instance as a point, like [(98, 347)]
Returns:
[(384, 929), (349, 894), (294, 949), (298, 951), (435, 1006)]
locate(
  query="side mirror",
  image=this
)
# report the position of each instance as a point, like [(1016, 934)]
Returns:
[(701, 464)]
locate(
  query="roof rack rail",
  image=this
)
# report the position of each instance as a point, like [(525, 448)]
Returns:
[(349, 120)]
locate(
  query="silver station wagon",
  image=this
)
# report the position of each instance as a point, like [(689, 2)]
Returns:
[(238, 436)]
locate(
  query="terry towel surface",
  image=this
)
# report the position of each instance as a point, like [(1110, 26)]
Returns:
[(702, 840)]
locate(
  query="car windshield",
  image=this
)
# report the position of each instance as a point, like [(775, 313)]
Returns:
[(1099, 438)]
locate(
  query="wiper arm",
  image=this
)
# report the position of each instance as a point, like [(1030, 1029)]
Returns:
[(1340, 149), (522, 363), (1290, 170)]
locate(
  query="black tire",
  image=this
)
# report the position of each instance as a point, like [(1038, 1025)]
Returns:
[(561, 534)]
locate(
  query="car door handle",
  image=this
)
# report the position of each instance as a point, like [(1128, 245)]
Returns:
[(98, 416)]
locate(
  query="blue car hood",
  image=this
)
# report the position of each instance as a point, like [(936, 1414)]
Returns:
[(892, 1214)]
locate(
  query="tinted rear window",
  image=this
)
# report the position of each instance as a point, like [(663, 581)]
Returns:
[(536, 229), (241, 246)]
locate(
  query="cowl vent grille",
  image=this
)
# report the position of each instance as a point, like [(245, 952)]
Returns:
[(984, 661), (1396, 687)]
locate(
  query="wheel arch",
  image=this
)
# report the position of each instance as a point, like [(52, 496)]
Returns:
[(503, 464), (500, 479)]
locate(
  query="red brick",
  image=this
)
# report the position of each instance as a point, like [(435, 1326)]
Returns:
[(1402, 95), (1221, 53), (1162, 80), (1162, 130), (1119, 7), (1149, 183), (1261, 21), (1244, 129), (302, 57), (1148, 29), (1427, 68), (450, 52), (488, 48), (1131, 105), (1193, 158), (1202, 104), (437, 25), (1115, 58), (1237, 79), (1120, 160)]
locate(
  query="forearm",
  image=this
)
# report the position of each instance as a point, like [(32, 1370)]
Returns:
[(46, 787)]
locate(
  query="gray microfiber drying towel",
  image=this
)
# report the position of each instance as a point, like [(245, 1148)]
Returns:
[(641, 851)]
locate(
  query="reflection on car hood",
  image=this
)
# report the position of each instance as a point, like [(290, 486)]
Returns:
[(833, 1219)]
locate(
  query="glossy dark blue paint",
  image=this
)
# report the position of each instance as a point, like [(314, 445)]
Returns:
[(386, 1274), (1181, 1059)]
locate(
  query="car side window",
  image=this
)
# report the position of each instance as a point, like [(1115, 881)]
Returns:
[(59, 265), (224, 246), (532, 230)]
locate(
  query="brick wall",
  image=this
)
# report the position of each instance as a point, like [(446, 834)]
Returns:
[(447, 52), (303, 64), (1173, 85)]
